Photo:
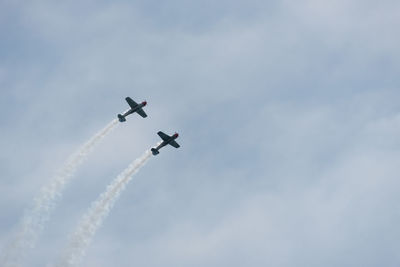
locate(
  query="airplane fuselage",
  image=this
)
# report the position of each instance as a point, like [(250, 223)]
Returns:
[(133, 110), (134, 107), (166, 142)]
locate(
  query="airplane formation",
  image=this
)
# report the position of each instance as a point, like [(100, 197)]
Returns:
[(138, 108)]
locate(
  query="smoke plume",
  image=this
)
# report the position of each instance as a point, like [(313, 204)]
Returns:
[(38, 214), (98, 211)]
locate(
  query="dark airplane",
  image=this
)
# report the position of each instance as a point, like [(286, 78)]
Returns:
[(135, 107), (167, 140)]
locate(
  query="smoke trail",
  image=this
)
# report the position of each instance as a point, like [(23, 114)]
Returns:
[(35, 218), (98, 211)]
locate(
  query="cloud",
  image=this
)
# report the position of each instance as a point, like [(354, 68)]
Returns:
[(287, 114)]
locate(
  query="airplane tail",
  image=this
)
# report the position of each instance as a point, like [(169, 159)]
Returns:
[(121, 118), (155, 151)]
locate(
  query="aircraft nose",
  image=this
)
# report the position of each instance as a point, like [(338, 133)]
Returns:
[(176, 134), (144, 103)]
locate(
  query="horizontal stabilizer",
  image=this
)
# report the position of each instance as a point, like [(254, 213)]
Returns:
[(155, 151), (121, 118)]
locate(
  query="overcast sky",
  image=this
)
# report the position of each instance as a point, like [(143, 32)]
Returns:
[(288, 114)]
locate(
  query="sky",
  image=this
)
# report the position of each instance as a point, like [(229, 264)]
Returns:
[(287, 111)]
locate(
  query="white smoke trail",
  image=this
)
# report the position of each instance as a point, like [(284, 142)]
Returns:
[(35, 218), (98, 211)]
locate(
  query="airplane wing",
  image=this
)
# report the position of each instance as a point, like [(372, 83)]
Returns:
[(163, 135), (141, 113), (174, 144), (131, 103)]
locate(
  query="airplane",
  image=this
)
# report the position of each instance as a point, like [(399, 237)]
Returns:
[(167, 140), (135, 107)]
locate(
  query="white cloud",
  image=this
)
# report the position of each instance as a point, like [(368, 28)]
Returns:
[(288, 114)]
